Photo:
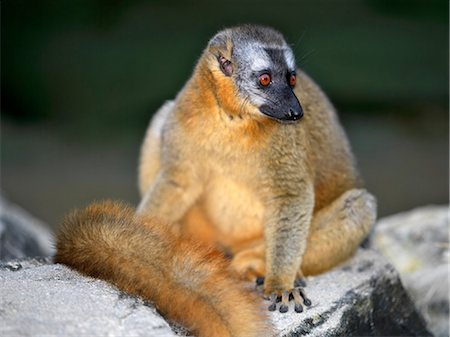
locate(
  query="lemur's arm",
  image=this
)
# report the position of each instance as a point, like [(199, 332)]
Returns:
[(172, 193), (289, 209), (286, 232)]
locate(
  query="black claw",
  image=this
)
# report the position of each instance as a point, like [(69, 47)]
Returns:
[(306, 301), (259, 281), (298, 308), (283, 308), (284, 301), (273, 299), (297, 299)]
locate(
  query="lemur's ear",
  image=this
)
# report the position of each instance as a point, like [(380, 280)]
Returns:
[(220, 46)]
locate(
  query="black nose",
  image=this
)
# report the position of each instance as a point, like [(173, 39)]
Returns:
[(295, 113)]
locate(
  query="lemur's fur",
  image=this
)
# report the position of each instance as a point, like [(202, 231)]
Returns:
[(234, 165)]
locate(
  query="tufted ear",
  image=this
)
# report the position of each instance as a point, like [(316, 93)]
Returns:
[(221, 46)]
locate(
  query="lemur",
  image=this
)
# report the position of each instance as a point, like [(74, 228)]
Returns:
[(246, 175)]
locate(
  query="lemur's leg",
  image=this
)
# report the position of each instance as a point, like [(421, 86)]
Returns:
[(337, 230)]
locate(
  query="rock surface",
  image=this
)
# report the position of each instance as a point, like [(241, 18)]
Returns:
[(364, 298), (41, 299), (417, 244), (21, 235)]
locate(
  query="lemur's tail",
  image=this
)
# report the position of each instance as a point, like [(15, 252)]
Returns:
[(188, 283)]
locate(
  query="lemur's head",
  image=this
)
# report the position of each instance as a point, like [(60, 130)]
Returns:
[(255, 66)]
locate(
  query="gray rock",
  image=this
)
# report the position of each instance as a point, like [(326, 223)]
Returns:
[(21, 235), (417, 244), (40, 299), (364, 297)]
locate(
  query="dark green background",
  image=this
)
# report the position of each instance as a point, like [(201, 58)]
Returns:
[(80, 80)]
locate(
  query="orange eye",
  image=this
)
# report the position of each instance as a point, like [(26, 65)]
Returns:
[(292, 80), (265, 79)]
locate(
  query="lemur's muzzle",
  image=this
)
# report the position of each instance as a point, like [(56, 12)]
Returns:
[(286, 109)]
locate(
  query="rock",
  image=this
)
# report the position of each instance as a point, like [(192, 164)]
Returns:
[(41, 299), (417, 244), (21, 235), (363, 297)]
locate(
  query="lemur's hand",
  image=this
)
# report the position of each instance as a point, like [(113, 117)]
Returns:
[(297, 294)]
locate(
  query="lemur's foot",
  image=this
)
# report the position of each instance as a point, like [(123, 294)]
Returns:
[(247, 266), (297, 294)]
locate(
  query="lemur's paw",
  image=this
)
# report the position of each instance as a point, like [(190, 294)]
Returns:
[(297, 294)]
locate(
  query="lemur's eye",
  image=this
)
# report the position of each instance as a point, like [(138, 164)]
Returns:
[(225, 65), (292, 80), (265, 79)]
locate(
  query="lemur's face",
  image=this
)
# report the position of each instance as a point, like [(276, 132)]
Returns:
[(266, 77)]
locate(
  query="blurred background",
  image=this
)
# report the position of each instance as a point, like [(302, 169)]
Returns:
[(80, 81)]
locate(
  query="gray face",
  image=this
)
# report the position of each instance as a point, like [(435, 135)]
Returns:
[(277, 99)]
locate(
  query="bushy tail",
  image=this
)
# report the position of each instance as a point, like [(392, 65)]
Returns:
[(186, 282)]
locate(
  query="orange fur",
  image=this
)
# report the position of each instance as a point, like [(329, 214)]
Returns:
[(221, 103), (187, 282), (281, 198), (233, 178)]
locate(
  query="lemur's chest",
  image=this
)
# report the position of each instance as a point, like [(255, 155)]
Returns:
[(235, 211), (238, 176)]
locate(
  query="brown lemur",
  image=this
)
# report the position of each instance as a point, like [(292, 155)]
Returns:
[(250, 160)]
